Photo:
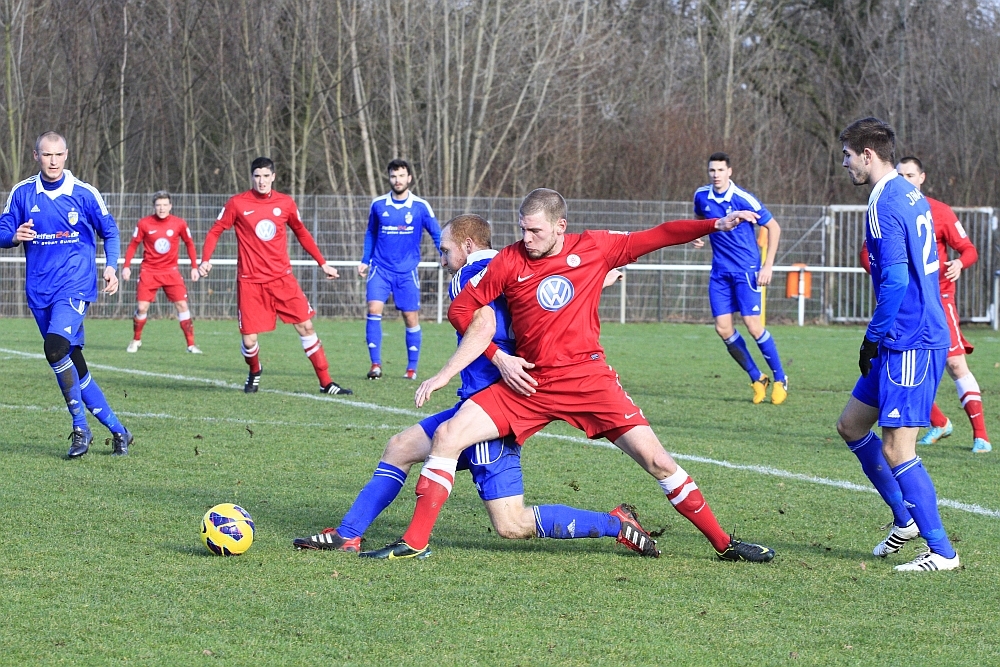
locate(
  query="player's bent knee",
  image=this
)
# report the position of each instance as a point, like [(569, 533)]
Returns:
[(81, 364), (56, 347)]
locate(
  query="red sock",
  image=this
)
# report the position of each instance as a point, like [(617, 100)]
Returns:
[(187, 326), (137, 326), (317, 356), (433, 489), (937, 417), (250, 356), (974, 409), (686, 498)]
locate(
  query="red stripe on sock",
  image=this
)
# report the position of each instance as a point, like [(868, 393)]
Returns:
[(974, 409), (253, 361), (317, 357), (695, 509)]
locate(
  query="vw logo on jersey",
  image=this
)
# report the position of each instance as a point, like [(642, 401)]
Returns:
[(73, 217), (276, 211), (554, 292), (161, 246), (265, 230)]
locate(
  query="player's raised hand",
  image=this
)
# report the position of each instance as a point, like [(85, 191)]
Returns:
[(428, 387), (331, 272), (204, 269), (110, 280), (514, 372), (734, 219), (954, 269), (126, 273), (362, 270), (25, 232), (195, 274)]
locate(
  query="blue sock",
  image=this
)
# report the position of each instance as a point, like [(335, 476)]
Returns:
[(918, 492), (69, 384), (413, 337), (378, 494), (373, 334), (94, 399), (737, 348), (869, 451), (565, 523), (770, 352)]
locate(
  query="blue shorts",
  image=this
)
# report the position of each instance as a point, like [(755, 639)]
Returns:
[(902, 385), (495, 464), (733, 292), (64, 316), (404, 287)]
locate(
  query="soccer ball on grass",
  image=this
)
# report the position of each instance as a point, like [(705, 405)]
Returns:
[(227, 530)]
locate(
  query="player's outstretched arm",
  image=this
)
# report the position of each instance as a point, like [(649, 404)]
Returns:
[(477, 338), (733, 220)]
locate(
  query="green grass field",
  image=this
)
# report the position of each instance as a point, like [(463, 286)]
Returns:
[(101, 561)]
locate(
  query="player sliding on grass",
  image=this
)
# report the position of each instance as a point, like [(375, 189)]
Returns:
[(160, 235), (58, 219), (552, 282), (495, 464), (265, 286), (903, 352)]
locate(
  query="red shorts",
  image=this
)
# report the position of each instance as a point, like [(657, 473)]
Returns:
[(958, 345), (258, 303), (170, 281), (587, 396)]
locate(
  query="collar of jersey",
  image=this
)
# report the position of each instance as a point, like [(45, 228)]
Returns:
[(481, 254), (65, 189), (406, 203), (877, 190), (726, 196), (259, 197)]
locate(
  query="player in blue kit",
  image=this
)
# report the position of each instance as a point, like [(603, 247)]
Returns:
[(737, 275), (58, 219), (392, 251), (496, 464), (904, 349)]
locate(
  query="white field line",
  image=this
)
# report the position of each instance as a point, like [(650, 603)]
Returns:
[(759, 469)]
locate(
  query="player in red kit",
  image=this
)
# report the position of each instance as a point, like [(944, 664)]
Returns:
[(552, 281), (265, 286), (161, 235), (950, 234)]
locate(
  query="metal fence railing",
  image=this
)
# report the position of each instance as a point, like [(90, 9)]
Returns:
[(667, 285)]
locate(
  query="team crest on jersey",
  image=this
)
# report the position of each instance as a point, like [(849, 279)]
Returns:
[(161, 246), (276, 211), (170, 232), (73, 217), (408, 217), (265, 230), (554, 292), (573, 261)]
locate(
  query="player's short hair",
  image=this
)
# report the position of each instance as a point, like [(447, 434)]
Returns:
[(48, 134), (543, 200), (262, 163), (471, 226), (913, 160), (720, 157), (871, 133), (161, 194), (399, 163)]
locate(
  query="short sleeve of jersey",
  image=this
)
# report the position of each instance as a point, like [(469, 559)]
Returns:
[(699, 205)]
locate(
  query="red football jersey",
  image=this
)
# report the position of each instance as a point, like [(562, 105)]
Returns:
[(261, 238), (160, 239), (553, 301), (950, 234)]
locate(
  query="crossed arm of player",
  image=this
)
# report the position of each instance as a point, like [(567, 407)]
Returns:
[(26, 232)]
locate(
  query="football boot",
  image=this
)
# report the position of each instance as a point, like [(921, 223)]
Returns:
[(935, 433), (81, 438), (929, 562), (328, 539), (746, 551), (397, 551), (375, 372), (779, 391), (252, 383), (981, 446), (334, 388), (760, 389), (120, 443), (895, 540), (633, 535)]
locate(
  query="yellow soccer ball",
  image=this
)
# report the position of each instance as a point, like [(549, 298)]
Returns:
[(227, 530)]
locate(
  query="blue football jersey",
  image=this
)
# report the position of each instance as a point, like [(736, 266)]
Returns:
[(734, 251), (481, 373), (395, 228), (60, 260), (900, 230)]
